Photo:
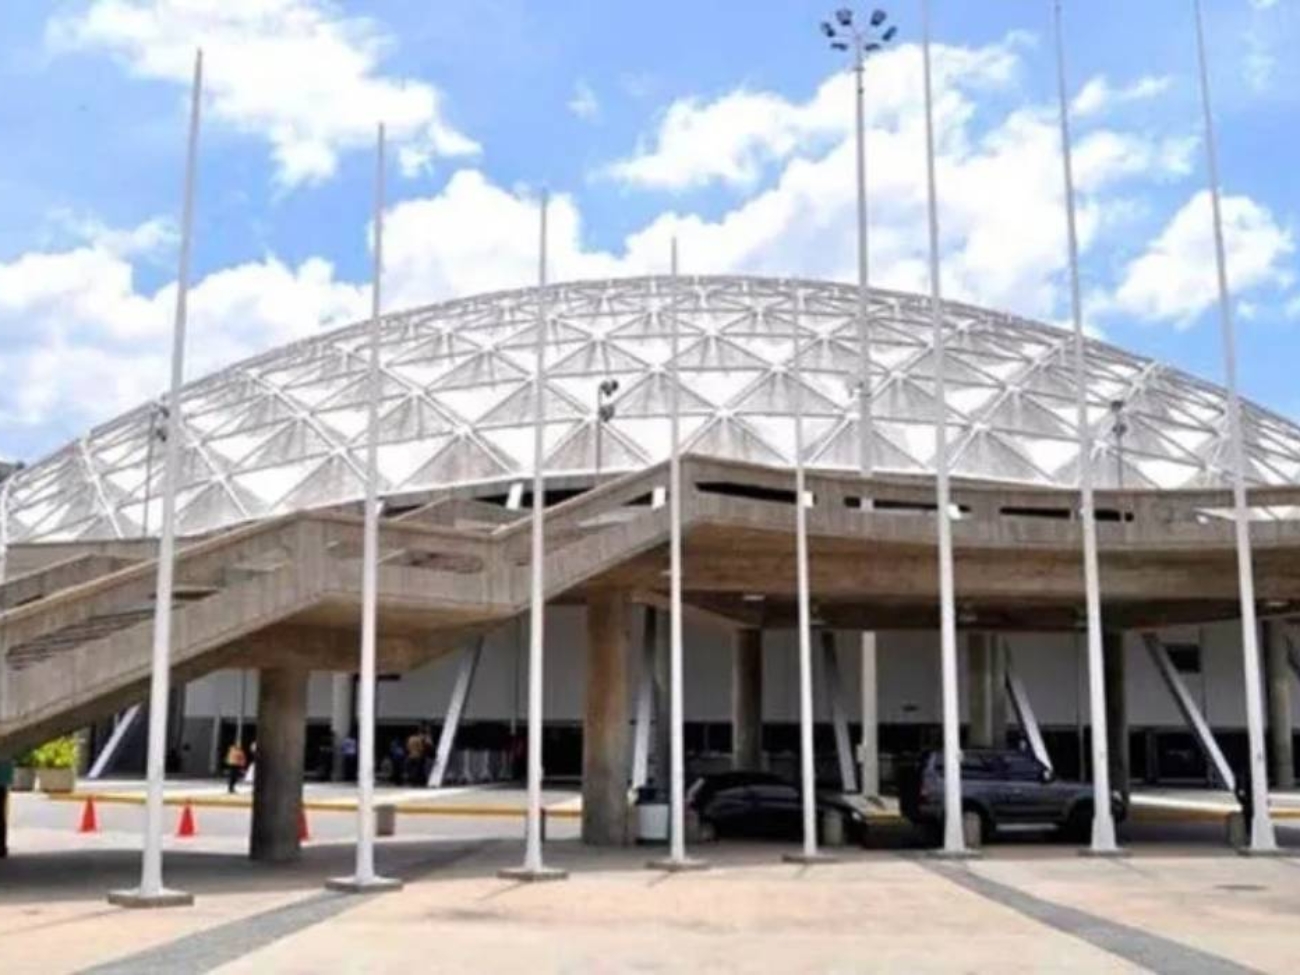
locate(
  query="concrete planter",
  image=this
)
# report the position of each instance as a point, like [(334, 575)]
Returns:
[(58, 780), (24, 780)]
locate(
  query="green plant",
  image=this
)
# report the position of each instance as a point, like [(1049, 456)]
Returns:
[(59, 753)]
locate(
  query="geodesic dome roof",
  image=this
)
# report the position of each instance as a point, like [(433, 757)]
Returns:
[(287, 430)]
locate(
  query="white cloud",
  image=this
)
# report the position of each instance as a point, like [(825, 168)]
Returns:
[(84, 341), (584, 103), (731, 139), (1098, 94), (299, 73), (148, 239), (1175, 279), (475, 236), (1001, 215)]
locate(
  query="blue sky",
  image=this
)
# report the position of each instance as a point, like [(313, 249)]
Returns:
[(725, 123)]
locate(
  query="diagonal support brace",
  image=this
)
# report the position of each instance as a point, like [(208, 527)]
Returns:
[(1191, 713), (459, 695)]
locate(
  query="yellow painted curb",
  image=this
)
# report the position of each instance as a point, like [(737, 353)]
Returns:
[(319, 805)]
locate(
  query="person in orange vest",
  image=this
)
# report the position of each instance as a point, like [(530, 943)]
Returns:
[(236, 763)]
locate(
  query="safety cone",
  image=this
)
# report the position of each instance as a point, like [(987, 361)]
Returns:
[(304, 834), (187, 828), (89, 818)]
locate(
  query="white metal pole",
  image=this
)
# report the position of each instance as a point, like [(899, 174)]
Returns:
[(151, 890), (533, 868), (953, 838), (365, 879), (807, 756), (1103, 821), (537, 607), (677, 859), (1262, 838), (4, 525), (677, 748), (865, 419), (869, 745), (4, 575)]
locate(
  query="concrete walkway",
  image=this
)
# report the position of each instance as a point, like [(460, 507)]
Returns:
[(1020, 909)]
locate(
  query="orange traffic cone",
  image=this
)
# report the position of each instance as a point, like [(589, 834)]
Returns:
[(187, 829), (304, 834), (89, 819)]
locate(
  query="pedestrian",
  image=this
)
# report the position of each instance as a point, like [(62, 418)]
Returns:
[(350, 758), (397, 756), (236, 764), (426, 745), (414, 757)]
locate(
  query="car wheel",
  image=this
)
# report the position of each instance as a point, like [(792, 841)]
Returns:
[(987, 828), (1078, 827)]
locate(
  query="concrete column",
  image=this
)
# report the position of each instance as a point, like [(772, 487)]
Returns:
[(1280, 727), (1113, 672), (176, 729), (998, 702), (747, 699), (277, 783), (604, 731), (980, 689), (987, 658), (340, 719), (655, 635), (869, 746)]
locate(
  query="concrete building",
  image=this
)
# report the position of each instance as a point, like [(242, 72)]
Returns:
[(269, 579)]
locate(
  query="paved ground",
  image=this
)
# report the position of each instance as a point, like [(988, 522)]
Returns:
[(1181, 903)]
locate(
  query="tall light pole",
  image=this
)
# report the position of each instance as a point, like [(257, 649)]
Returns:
[(1262, 839), (365, 880), (847, 35), (6, 489), (954, 841), (533, 868), (157, 411), (1117, 429), (1103, 821), (151, 892), (604, 413), (677, 860)]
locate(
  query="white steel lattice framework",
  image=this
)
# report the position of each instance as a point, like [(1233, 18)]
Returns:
[(286, 430)]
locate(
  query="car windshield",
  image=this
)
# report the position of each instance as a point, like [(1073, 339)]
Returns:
[(709, 785)]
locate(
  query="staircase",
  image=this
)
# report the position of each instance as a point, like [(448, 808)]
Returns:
[(73, 654)]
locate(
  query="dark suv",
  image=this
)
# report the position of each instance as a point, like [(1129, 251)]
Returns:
[(764, 806), (1008, 790)]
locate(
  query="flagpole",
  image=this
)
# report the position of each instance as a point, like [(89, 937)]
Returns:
[(677, 860), (365, 880), (533, 868), (807, 755), (954, 843), (1103, 820), (1262, 838), (152, 892)]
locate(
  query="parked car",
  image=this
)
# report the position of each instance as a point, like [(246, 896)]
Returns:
[(760, 805), (1007, 790)]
